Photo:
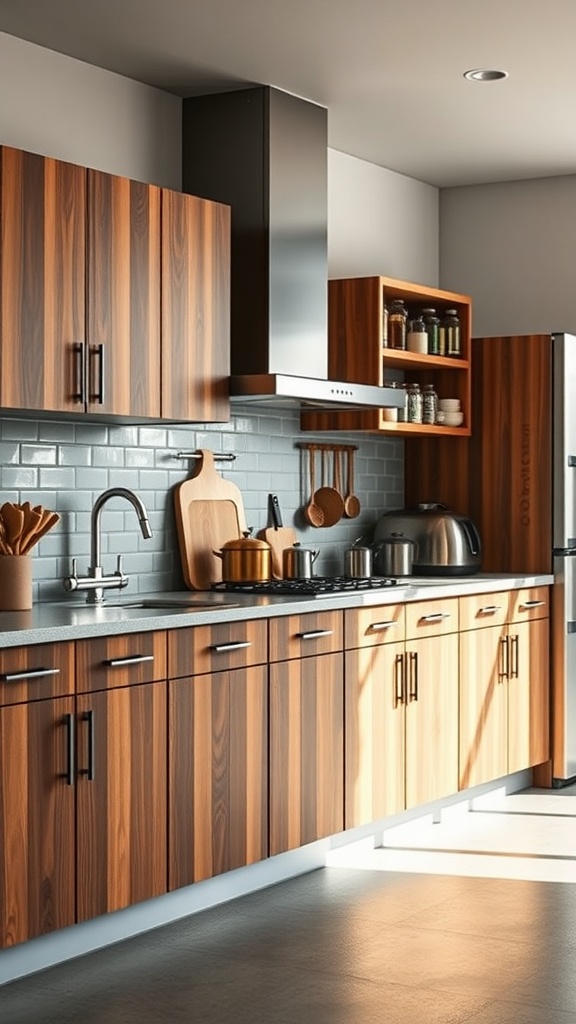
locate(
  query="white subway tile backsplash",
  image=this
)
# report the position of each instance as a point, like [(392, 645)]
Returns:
[(65, 466)]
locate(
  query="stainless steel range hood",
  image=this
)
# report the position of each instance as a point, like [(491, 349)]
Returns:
[(265, 153), (278, 389)]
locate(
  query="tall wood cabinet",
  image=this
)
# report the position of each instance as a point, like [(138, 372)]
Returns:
[(114, 295)]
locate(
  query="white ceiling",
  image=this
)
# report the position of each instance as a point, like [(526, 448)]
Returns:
[(390, 73)]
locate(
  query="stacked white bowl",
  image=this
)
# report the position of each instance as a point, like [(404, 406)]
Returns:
[(452, 415)]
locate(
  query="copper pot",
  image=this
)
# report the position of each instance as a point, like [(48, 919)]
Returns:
[(246, 560)]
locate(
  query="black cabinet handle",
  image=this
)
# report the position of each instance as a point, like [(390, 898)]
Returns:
[(97, 395), (514, 657), (71, 747), (80, 371), (89, 772), (33, 673), (413, 675), (399, 680)]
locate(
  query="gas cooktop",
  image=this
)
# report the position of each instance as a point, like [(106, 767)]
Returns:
[(317, 586)]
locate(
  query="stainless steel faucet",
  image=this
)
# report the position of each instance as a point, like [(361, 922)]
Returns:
[(95, 583)]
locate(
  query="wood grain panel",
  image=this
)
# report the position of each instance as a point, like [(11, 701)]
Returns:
[(483, 707), (511, 469), (100, 663), (374, 742), (432, 721), (529, 603), (306, 751), (122, 812), (194, 651), (438, 469), (124, 295), (36, 659), (36, 821), (528, 696), (42, 273), (431, 618), (293, 636), (369, 627), (195, 308), (218, 776), (478, 610)]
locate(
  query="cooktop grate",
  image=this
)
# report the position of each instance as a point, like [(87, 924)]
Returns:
[(318, 586)]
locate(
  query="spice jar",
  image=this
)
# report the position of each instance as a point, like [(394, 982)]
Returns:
[(417, 337), (414, 404), (397, 320), (429, 404), (452, 332), (432, 324), (384, 325)]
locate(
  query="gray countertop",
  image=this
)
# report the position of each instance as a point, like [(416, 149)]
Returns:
[(73, 619)]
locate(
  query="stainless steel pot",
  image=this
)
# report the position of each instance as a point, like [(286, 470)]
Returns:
[(246, 560), (448, 544), (394, 555), (298, 562), (358, 562)]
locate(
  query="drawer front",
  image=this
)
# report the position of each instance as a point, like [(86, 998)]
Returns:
[(431, 618), (219, 648), (370, 627), (36, 672), (300, 636), (484, 610), (120, 661), (529, 603)]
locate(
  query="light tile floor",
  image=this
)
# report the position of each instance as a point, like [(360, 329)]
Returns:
[(470, 921)]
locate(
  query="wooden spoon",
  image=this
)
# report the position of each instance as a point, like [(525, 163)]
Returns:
[(13, 522), (49, 519), (329, 499), (312, 511), (351, 502)]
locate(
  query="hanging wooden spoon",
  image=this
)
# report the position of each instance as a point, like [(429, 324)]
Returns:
[(351, 502), (312, 512)]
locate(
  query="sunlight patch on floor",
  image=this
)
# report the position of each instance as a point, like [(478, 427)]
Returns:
[(530, 836)]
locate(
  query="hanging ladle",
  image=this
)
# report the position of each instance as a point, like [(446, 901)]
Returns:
[(312, 512), (351, 502)]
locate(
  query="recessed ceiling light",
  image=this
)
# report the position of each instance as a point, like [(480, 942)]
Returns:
[(485, 75)]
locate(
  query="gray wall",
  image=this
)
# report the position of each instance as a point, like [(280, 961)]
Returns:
[(512, 246), (379, 223)]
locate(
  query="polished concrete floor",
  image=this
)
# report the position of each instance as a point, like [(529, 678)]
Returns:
[(470, 919)]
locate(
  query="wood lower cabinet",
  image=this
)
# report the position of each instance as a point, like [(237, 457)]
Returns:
[(218, 774), (121, 797), (306, 751), (401, 708), (37, 819), (504, 691)]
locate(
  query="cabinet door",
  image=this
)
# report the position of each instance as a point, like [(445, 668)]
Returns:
[(195, 308), (217, 773), (121, 794), (528, 688), (42, 256), (431, 719), (123, 323), (374, 743), (36, 819), (483, 706), (306, 751)]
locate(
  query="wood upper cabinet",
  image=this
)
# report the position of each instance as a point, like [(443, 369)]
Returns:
[(43, 275), (123, 297), (37, 819), (356, 353), (121, 797), (195, 308), (218, 774)]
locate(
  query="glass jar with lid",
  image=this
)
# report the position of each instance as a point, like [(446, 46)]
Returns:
[(384, 325), (452, 333), (397, 320), (429, 404), (432, 324), (417, 337), (414, 403)]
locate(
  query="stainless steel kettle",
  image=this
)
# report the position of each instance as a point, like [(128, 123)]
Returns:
[(298, 562), (394, 555)]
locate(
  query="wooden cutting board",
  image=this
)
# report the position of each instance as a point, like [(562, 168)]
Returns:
[(277, 536), (209, 511)]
